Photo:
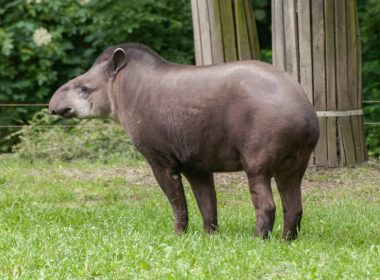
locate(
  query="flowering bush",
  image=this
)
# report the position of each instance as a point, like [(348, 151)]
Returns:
[(44, 43), (41, 37)]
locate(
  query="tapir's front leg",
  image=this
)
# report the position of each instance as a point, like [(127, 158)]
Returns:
[(202, 184), (171, 184)]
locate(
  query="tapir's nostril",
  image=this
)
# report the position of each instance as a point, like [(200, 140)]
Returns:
[(64, 112)]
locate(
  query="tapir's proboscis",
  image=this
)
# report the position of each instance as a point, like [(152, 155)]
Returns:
[(196, 120)]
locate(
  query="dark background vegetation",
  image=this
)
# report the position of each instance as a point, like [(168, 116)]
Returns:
[(81, 30)]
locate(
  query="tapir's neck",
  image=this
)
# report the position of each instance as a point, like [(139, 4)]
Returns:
[(143, 56), (131, 89), (111, 87)]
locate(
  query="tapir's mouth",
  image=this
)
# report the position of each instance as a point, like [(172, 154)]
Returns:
[(68, 113)]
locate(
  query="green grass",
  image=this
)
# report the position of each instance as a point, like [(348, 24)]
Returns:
[(111, 221)]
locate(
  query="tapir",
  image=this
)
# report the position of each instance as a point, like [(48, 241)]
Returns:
[(193, 121)]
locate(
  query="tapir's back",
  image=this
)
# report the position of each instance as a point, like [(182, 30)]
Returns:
[(252, 88), (260, 82)]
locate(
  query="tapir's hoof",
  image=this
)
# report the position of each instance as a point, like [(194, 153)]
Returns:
[(181, 229), (211, 229), (289, 236), (264, 236)]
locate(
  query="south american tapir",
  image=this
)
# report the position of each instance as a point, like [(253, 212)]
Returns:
[(193, 121)]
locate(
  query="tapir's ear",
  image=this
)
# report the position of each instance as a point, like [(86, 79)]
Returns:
[(119, 59)]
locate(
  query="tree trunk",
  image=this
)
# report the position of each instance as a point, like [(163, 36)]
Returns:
[(224, 30)]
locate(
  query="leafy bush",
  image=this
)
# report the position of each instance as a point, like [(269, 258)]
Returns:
[(44, 43), (263, 20), (54, 139)]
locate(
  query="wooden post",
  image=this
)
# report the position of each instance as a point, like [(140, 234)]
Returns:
[(224, 30), (317, 41)]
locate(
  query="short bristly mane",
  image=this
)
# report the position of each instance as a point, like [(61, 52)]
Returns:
[(134, 51)]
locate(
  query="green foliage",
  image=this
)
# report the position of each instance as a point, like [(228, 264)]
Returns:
[(266, 55), (263, 20), (164, 25), (43, 43), (369, 11), (51, 138)]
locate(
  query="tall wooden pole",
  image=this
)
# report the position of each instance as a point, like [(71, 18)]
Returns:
[(224, 30), (317, 41)]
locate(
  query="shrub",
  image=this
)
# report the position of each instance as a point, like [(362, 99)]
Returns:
[(54, 139)]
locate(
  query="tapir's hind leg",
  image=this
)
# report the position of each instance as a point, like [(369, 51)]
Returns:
[(202, 184), (259, 180), (289, 187), (262, 198), (171, 184)]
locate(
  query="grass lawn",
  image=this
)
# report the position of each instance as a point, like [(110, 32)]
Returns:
[(111, 221)]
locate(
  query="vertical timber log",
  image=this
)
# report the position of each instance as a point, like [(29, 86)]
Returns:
[(319, 77), (224, 30), (317, 41)]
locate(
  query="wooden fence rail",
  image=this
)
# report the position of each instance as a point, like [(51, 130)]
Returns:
[(23, 105)]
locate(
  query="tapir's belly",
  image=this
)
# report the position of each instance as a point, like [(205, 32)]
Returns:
[(211, 162), (211, 154)]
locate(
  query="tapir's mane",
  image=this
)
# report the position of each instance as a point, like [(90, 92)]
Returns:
[(134, 51)]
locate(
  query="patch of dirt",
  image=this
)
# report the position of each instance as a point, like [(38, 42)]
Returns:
[(366, 174), (133, 175), (141, 175), (229, 182)]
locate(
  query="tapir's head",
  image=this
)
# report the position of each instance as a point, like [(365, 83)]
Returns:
[(89, 95)]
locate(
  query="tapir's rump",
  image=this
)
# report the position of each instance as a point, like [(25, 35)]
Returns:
[(195, 121)]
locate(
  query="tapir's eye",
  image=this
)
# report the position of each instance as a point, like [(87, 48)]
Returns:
[(84, 91)]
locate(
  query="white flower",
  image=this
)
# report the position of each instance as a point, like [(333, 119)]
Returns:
[(35, 1), (41, 37), (84, 2)]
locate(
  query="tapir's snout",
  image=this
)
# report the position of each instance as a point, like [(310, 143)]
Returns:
[(58, 107)]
